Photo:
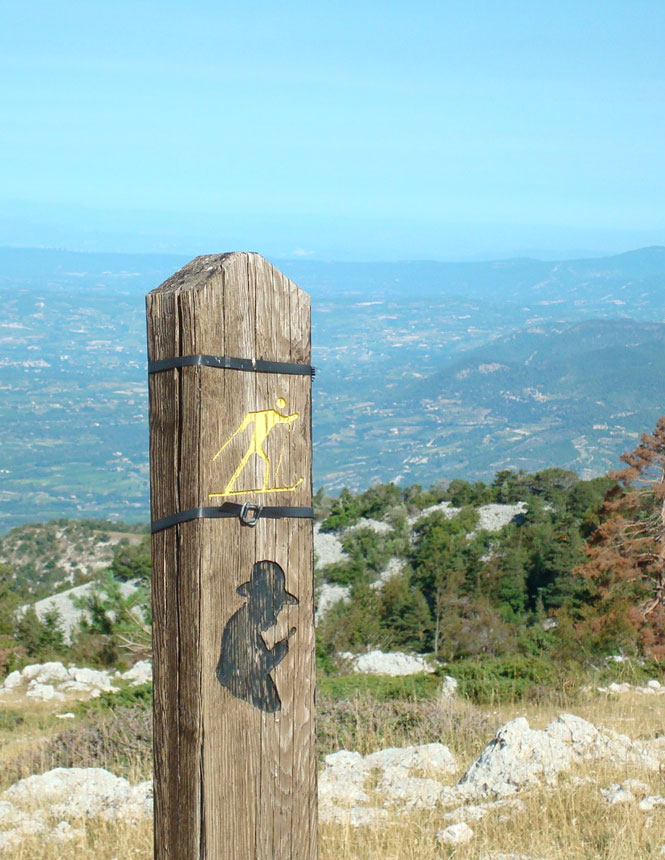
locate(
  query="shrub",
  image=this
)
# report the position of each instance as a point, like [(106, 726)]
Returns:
[(510, 679)]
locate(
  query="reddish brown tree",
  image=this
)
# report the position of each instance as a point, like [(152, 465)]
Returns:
[(626, 553)]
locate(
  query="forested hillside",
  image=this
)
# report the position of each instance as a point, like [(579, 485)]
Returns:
[(544, 569)]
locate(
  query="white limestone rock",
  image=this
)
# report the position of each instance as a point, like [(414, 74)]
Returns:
[(64, 603), (10, 839), (394, 567), (46, 804), (430, 758), (508, 857), (494, 517), (29, 673), (327, 547), (638, 788), (470, 812), (342, 778), (394, 663), (333, 791), (410, 792), (519, 757), (72, 793), (615, 795), (359, 816), (378, 526), (446, 508), (140, 673), (98, 679), (347, 763), (474, 812), (650, 803), (13, 680), (43, 692), (64, 832), (586, 742), (619, 688), (449, 687), (455, 834), (52, 673), (328, 595)]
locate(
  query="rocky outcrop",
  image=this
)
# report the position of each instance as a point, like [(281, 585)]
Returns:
[(368, 790), (45, 682), (520, 757), (393, 663), (398, 774), (56, 804), (327, 547), (64, 603), (517, 759), (328, 595), (651, 688)]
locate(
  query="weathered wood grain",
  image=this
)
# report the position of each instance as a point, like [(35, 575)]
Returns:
[(231, 779)]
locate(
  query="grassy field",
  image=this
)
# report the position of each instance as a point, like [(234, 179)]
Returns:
[(568, 822)]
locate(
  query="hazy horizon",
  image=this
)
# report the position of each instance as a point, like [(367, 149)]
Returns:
[(336, 131)]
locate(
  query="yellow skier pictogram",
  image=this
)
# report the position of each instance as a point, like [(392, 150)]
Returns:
[(264, 421)]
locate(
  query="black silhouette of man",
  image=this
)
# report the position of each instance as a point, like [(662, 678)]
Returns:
[(245, 661)]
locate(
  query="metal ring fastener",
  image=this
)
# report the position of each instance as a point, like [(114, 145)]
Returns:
[(250, 508)]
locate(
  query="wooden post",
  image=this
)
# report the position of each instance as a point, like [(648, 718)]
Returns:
[(235, 766)]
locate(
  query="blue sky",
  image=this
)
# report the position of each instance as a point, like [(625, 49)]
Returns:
[(364, 130)]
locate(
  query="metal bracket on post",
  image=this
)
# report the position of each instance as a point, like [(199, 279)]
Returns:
[(247, 508)]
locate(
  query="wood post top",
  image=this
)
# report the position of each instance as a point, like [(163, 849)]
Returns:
[(209, 268)]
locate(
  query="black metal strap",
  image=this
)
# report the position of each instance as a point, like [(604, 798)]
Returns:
[(255, 365), (248, 514)]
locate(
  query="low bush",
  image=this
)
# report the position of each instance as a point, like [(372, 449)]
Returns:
[(502, 680)]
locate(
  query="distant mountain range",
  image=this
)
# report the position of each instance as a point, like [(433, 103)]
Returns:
[(426, 371)]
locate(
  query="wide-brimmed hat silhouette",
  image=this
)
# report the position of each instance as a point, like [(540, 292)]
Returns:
[(267, 580)]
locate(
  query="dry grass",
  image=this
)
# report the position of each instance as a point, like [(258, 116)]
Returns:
[(99, 841), (569, 822), (120, 741)]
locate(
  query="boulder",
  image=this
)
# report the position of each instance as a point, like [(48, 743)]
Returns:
[(651, 802), (46, 804), (52, 673), (425, 757), (393, 663), (586, 742), (14, 679), (449, 687), (411, 792), (343, 778), (140, 673), (519, 757), (30, 672), (456, 834), (96, 678), (615, 794), (43, 692)]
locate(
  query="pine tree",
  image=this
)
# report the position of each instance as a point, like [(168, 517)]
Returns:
[(626, 553)]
